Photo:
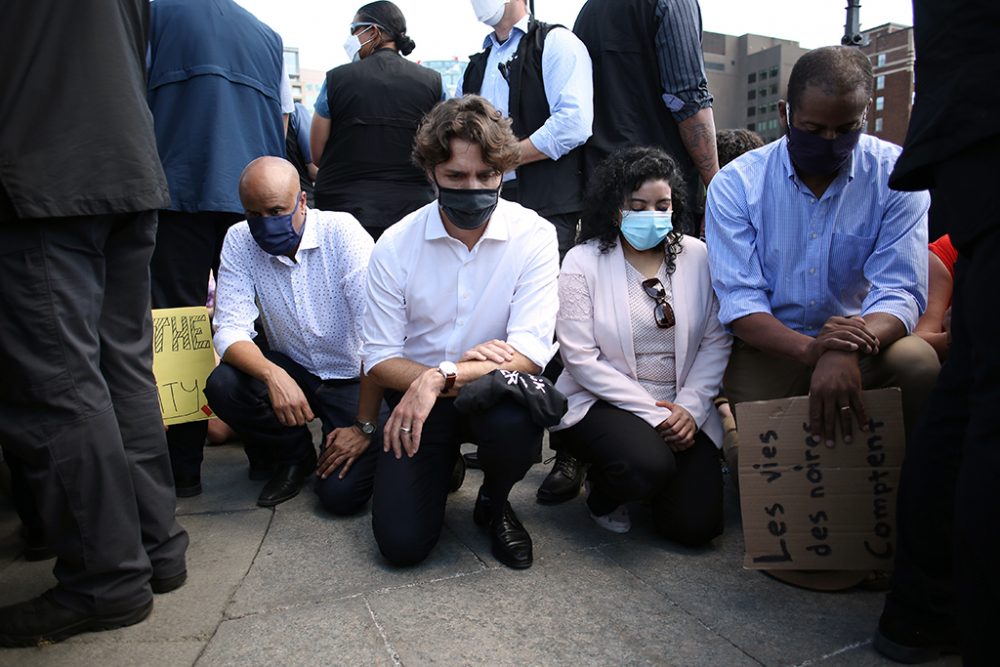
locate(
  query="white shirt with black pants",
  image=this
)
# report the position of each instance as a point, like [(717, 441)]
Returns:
[(430, 299)]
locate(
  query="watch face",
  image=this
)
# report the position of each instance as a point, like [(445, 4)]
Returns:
[(448, 368), (367, 428)]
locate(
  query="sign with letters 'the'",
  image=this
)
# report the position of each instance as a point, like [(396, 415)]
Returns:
[(807, 506), (182, 360)]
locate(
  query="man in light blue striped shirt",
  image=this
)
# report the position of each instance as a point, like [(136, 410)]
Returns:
[(820, 268)]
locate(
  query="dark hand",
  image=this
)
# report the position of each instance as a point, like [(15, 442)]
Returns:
[(835, 395), (843, 334), (343, 446)]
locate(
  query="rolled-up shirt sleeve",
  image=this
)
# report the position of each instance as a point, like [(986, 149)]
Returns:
[(535, 303), (680, 59), (897, 269), (737, 276), (235, 304), (567, 72), (384, 322)]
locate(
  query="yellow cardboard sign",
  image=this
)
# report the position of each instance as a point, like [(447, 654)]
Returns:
[(182, 360)]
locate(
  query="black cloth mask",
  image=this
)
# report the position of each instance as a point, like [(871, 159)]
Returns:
[(468, 209), (816, 156)]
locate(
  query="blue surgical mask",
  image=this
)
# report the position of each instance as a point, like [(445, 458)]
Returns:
[(646, 229), (276, 234)]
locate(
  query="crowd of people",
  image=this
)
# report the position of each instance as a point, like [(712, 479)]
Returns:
[(553, 248)]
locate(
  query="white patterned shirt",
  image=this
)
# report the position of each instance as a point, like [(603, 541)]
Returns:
[(430, 298), (312, 307)]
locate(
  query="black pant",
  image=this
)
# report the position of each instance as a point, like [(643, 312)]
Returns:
[(410, 493), (187, 248), (242, 402), (78, 405), (948, 542), (630, 462)]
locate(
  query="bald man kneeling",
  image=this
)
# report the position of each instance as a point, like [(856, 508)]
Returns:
[(303, 272)]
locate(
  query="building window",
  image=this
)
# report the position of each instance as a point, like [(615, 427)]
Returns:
[(762, 74), (879, 103), (772, 124), (752, 94), (774, 89), (878, 124), (772, 107), (774, 72), (751, 111), (761, 125), (752, 77), (880, 60), (880, 82), (762, 109), (751, 126), (718, 67), (762, 92)]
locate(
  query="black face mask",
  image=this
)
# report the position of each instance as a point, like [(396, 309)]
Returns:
[(817, 156), (468, 209)]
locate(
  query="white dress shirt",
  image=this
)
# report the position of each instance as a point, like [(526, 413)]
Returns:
[(311, 307), (430, 298)]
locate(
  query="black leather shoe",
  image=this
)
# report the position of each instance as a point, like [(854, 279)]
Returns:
[(510, 542), (42, 620), (162, 585), (457, 475), (187, 487), (564, 482), (911, 643), (286, 482), (472, 460)]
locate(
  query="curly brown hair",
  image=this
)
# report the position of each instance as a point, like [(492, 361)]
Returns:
[(473, 119)]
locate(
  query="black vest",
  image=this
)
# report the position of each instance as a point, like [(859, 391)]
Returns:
[(375, 107), (628, 109), (549, 187)]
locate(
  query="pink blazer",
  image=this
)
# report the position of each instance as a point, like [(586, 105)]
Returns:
[(597, 349)]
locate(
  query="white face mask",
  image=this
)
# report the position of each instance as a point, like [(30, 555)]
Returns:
[(352, 47), (489, 11)]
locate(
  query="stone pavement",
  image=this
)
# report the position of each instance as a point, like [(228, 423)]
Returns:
[(295, 586)]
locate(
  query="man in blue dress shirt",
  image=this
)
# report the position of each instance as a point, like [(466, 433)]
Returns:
[(820, 268)]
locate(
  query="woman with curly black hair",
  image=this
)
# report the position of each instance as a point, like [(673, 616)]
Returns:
[(644, 352)]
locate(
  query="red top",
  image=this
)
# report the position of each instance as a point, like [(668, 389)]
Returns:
[(946, 253)]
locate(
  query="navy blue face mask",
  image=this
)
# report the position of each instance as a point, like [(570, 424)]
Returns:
[(815, 156), (275, 234)]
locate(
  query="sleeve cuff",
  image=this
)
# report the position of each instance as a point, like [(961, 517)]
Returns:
[(538, 351), (224, 338), (546, 143), (740, 303), (901, 307), (681, 110)]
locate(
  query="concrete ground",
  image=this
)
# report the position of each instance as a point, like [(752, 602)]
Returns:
[(295, 586)]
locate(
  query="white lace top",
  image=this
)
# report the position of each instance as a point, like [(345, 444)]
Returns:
[(654, 346)]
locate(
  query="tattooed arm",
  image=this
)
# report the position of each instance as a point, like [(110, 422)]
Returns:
[(698, 135)]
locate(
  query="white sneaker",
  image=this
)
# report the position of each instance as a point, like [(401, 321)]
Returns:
[(617, 521)]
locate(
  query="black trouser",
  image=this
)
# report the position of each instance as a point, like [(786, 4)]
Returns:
[(630, 462), (948, 537), (410, 493), (187, 248), (565, 223), (242, 402), (78, 405)]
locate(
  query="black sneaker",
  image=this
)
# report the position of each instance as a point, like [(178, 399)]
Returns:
[(563, 482), (912, 644), (42, 620)]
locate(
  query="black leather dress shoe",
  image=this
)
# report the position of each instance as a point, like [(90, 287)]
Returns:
[(42, 620), (911, 643), (286, 482), (510, 542), (563, 482), (162, 585), (187, 487)]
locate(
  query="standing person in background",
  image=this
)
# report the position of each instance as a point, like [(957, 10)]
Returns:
[(366, 117), (219, 96), (649, 74), (298, 152), (539, 75), (945, 587), (79, 189)]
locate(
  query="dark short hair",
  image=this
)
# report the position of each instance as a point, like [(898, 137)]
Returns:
[(734, 143), (473, 119), (617, 177), (836, 70), (387, 16)]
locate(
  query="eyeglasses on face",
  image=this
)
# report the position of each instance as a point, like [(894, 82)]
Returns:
[(361, 24), (662, 312)]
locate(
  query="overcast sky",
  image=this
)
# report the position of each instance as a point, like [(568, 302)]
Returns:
[(445, 29)]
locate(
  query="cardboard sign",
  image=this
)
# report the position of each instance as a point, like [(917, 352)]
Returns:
[(182, 360), (811, 507)]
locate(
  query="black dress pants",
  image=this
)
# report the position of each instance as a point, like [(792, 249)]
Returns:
[(187, 248), (948, 535), (79, 407), (410, 493), (242, 402), (630, 462)]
